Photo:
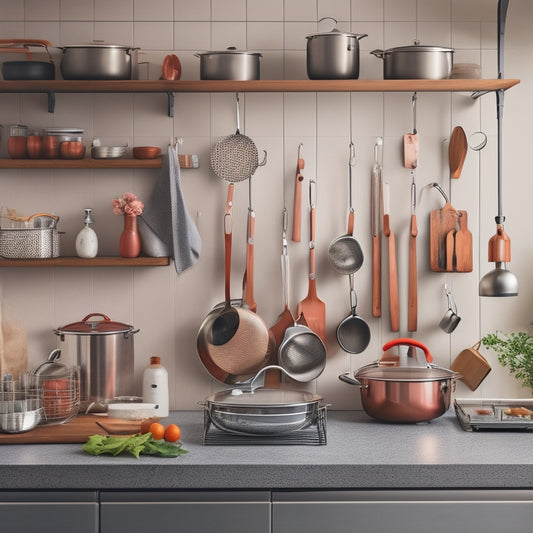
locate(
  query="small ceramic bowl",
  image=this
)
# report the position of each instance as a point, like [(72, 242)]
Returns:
[(146, 152)]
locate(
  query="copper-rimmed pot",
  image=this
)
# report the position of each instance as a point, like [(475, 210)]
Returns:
[(404, 385)]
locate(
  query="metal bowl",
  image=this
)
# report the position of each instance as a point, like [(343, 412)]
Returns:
[(107, 152), (21, 421)]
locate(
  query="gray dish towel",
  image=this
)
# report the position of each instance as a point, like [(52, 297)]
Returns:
[(166, 226)]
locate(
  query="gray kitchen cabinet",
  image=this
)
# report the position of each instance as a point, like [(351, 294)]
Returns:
[(48, 512), (186, 512), (409, 511)]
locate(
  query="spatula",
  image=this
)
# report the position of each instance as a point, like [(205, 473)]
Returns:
[(312, 309), (457, 151)]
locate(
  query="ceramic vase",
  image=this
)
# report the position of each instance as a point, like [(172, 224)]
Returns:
[(130, 240)]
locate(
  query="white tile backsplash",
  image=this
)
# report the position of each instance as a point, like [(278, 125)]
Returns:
[(169, 309)]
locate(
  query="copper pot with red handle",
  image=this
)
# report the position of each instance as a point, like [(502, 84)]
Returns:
[(404, 386)]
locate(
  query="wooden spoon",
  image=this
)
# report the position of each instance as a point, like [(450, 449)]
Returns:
[(457, 152)]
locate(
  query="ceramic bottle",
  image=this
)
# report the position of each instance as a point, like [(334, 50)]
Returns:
[(155, 386), (87, 240)]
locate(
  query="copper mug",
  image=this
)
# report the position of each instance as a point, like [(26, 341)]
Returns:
[(16, 146), (35, 146)]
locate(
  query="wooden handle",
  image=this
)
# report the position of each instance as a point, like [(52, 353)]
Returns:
[(249, 289), (351, 222), (297, 211), (450, 249), (23, 50), (393, 285), (28, 42), (376, 275), (412, 314)]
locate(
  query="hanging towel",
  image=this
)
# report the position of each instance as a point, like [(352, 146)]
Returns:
[(166, 226)]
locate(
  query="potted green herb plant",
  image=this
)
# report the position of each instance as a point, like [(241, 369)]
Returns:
[(515, 351)]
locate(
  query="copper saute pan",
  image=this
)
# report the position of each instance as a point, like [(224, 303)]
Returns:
[(404, 386)]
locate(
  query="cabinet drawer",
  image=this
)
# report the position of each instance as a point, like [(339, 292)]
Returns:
[(201, 512), (48, 512), (403, 511)]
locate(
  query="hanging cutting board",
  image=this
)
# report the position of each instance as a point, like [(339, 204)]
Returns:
[(441, 223), (75, 431), (463, 245)]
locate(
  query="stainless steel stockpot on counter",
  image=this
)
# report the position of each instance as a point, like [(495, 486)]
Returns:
[(104, 352)]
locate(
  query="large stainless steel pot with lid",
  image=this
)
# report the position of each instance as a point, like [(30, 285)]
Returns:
[(416, 62), (404, 385), (104, 352), (333, 54)]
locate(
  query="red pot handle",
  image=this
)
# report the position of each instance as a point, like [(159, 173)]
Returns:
[(409, 342), (106, 318)]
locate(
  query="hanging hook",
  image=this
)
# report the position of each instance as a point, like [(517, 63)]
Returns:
[(414, 100)]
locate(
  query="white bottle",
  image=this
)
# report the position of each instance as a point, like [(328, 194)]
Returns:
[(155, 386), (87, 240)]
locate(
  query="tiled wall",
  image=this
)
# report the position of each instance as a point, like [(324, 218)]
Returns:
[(169, 309)]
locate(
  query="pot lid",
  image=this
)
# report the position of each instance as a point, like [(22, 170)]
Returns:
[(335, 33), (419, 48), (51, 369), (229, 50), (263, 398), (399, 373), (97, 45), (62, 131), (91, 325)]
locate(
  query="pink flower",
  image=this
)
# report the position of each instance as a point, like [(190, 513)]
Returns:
[(127, 204)]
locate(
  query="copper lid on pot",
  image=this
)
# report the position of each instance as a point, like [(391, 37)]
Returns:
[(89, 327)]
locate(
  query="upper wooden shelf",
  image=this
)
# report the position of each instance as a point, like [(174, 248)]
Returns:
[(79, 262), (81, 163), (216, 86)]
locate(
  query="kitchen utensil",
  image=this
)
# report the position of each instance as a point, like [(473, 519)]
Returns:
[(107, 152), (302, 354), (416, 62), (463, 245), (499, 281), (233, 342), (248, 283), (234, 158), (264, 411), (411, 161), (171, 68), (311, 308), (20, 404), (297, 211), (376, 193), (353, 333), (333, 54), (457, 151), (103, 349), (393, 268), (472, 366), (441, 223), (98, 61), (34, 145), (410, 142), (27, 70), (146, 152), (408, 392), (229, 64), (344, 252), (451, 319), (273, 378)]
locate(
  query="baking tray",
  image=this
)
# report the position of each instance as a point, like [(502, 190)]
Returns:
[(489, 414)]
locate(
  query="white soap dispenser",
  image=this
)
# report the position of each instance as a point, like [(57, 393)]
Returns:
[(87, 240), (155, 386)]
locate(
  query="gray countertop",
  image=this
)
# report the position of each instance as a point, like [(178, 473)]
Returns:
[(360, 454)]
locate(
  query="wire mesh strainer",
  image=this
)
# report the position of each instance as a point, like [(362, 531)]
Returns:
[(234, 158)]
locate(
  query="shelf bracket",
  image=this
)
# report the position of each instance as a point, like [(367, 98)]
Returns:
[(51, 101), (170, 104), (475, 95)]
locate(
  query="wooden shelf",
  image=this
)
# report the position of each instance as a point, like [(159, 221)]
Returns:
[(217, 86), (81, 163), (94, 262)]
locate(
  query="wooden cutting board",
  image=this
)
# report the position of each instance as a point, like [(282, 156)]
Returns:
[(75, 431)]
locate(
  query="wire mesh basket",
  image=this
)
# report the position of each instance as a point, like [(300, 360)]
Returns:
[(61, 396), (29, 243)]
